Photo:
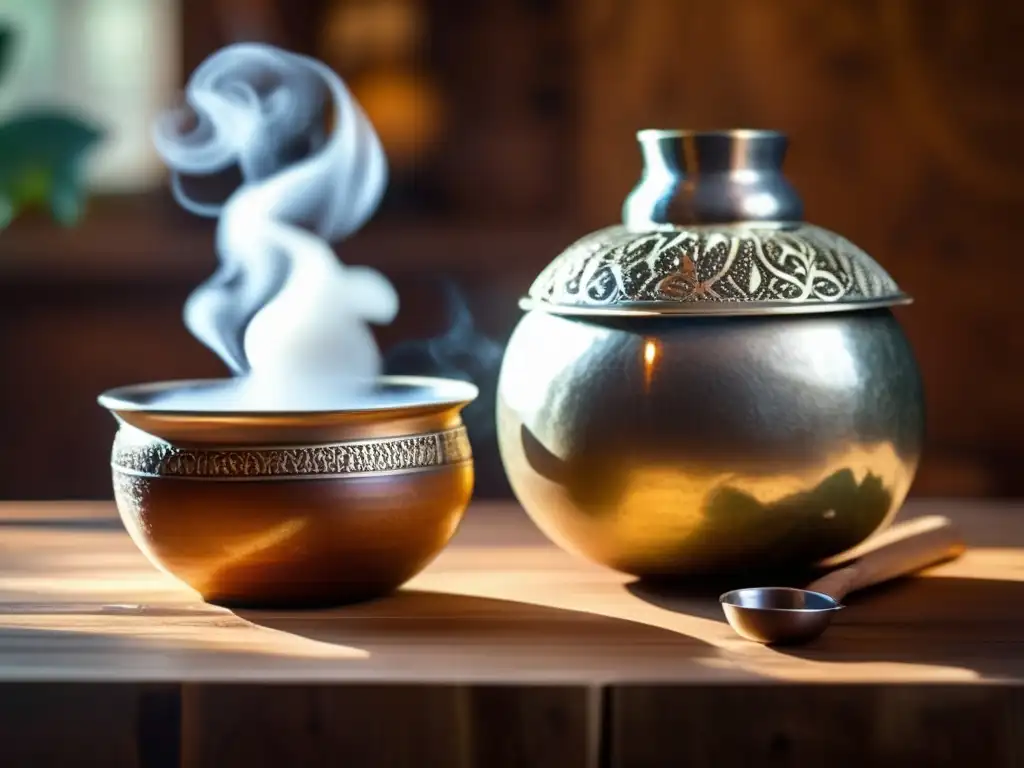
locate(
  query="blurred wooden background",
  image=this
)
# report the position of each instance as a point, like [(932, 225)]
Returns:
[(510, 125)]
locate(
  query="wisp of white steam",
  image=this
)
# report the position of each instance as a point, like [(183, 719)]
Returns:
[(284, 314)]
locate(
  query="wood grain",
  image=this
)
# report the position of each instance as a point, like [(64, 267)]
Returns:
[(403, 725), (115, 726), (871, 725), (500, 606), (506, 651)]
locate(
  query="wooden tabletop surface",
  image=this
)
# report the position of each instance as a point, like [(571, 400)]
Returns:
[(501, 604), (504, 611)]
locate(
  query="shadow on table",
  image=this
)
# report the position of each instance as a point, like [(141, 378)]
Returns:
[(65, 524), (484, 634), (698, 596), (973, 624), (411, 632), (177, 644)]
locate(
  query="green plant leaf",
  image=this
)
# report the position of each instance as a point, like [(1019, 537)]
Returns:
[(41, 155)]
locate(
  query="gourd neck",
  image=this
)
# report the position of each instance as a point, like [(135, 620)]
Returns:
[(712, 177)]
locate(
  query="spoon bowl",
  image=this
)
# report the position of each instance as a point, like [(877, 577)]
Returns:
[(783, 615), (778, 615)]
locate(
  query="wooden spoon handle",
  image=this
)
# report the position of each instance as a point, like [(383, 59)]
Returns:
[(902, 550)]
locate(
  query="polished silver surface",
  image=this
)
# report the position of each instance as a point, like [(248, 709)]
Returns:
[(712, 226), (666, 446), (778, 615), (712, 385), (712, 177)]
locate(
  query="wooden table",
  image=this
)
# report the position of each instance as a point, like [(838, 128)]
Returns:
[(505, 652)]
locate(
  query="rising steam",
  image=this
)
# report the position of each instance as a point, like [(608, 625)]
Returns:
[(281, 311), (462, 352)]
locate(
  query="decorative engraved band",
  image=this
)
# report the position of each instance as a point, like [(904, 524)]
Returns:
[(724, 265), (363, 457)]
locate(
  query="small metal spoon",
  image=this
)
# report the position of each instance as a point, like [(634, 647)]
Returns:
[(783, 615)]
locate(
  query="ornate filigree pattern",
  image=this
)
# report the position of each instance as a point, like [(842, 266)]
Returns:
[(137, 456), (807, 264)]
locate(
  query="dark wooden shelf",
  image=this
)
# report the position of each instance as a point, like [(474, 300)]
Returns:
[(146, 238)]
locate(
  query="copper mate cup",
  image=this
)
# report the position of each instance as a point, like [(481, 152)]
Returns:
[(292, 509)]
